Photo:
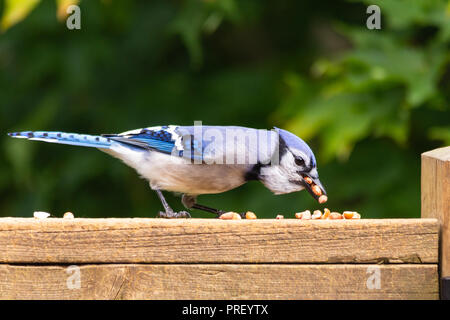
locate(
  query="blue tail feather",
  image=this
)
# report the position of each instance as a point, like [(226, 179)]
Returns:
[(75, 139)]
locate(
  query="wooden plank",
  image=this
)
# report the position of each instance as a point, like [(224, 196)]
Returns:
[(29, 240), (436, 197), (215, 281)]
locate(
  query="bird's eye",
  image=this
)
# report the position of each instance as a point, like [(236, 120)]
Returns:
[(299, 161)]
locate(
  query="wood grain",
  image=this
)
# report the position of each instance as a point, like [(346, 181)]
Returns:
[(29, 240), (436, 197), (223, 281)]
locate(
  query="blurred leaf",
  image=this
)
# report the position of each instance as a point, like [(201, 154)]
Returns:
[(371, 89), (15, 11), (20, 157), (441, 133), (340, 120), (20, 154), (201, 16), (387, 59), (188, 24), (62, 6)]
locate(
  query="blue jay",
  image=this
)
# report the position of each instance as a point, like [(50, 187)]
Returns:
[(196, 160)]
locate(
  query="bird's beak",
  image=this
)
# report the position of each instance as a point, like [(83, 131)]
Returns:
[(313, 185)]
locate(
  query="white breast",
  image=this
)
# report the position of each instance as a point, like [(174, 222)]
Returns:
[(177, 174)]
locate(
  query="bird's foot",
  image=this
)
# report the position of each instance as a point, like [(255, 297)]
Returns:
[(173, 215)]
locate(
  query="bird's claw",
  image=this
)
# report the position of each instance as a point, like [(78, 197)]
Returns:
[(174, 215)]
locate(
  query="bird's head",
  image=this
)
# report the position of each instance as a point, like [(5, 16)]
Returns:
[(296, 169)]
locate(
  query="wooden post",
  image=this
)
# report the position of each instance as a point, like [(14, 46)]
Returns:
[(436, 198)]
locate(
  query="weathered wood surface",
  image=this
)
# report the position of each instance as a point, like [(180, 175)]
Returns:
[(436, 197), (220, 281), (29, 240)]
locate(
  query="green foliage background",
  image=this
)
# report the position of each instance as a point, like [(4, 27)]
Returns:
[(367, 101)]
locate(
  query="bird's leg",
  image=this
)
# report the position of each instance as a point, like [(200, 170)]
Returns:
[(169, 213), (191, 202), (208, 209)]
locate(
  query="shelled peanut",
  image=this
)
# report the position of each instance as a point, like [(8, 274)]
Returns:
[(230, 216), (68, 215), (316, 215), (327, 215), (250, 215), (305, 215), (351, 215), (335, 216), (316, 189), (236, 216), (308, 180)]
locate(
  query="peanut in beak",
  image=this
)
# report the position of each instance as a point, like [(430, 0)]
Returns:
[(316, 190), (322, 199)]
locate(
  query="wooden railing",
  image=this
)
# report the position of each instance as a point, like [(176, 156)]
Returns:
[(233, 259)]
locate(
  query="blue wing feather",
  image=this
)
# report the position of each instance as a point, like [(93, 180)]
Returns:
[(167, 139), (160, 139)]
